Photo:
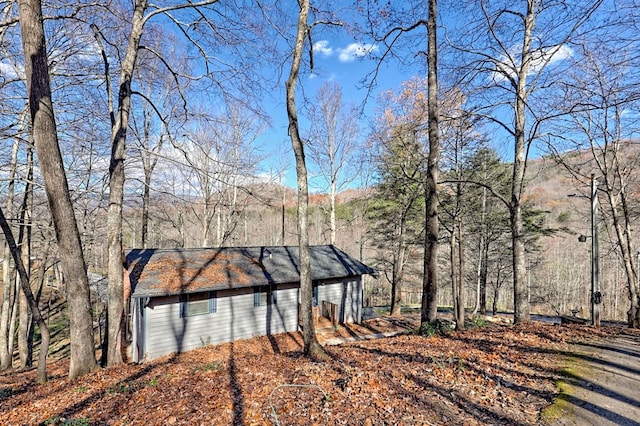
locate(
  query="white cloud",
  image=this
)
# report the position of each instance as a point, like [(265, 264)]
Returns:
[(347, 54), (555, 54), (10, 71), (322, 47), (356, 50), (539, 60)]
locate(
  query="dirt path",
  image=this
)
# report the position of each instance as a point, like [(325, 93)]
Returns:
[(602, 386)]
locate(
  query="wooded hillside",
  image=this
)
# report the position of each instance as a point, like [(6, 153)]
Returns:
[(440, 144)]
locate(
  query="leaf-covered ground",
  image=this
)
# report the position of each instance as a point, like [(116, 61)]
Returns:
[(499, 374)]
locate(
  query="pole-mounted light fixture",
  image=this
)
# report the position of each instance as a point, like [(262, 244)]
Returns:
[(596, 295)]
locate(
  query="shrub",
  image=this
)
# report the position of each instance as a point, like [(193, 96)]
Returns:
[(435, 328)]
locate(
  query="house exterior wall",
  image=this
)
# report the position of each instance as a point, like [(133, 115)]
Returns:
[(160, 330), (137, 328), (347, 294), (236, 317)]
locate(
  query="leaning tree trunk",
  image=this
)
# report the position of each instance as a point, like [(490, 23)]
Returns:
[(55, 182), (25, 330), (311, 345), (41, 374), (25, 324)]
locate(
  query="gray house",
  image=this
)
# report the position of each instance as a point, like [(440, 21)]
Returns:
[(182, 299)]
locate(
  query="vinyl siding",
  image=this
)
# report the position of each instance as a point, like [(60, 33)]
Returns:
[(137, 331), (236, 318), (347, 294), (353, 301)]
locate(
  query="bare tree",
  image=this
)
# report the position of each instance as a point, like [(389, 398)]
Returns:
[(599, 134), (204, 28), (51, 165), (159, 112), (518, 48), (119, 126), (404, 20), (332, 144), (311, 345), (218, 159)]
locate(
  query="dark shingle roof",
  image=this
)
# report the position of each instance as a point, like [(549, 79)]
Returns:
[(156, 272)]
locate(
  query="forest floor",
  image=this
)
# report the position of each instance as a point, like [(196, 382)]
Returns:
[(495, 374)]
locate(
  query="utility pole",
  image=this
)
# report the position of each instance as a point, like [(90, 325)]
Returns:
[(596, 296)]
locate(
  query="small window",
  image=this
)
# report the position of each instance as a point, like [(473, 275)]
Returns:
[(264, 295), (198, 303)]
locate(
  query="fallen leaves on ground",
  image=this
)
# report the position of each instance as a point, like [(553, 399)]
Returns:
[(500, 374)]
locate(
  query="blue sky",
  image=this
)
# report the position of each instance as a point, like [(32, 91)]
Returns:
[(337, 59)]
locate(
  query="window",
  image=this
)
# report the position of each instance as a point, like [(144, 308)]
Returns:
[(264, 295), (198, 303)]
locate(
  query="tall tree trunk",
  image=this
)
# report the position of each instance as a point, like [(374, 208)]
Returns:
[(496, 289), (332, 212), (631, 272), (219, 226), (6, 349), (521, 309), (145, 207), (476, 305), (430, 279), (457, 257), (148, 163), (14, 315), (398, 275), (484, 272), (484, 252), (453, 263), (115, 308), (461, 287), (312, 347), (620, 217), (456, 254), (481, 285), (55, 182)]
